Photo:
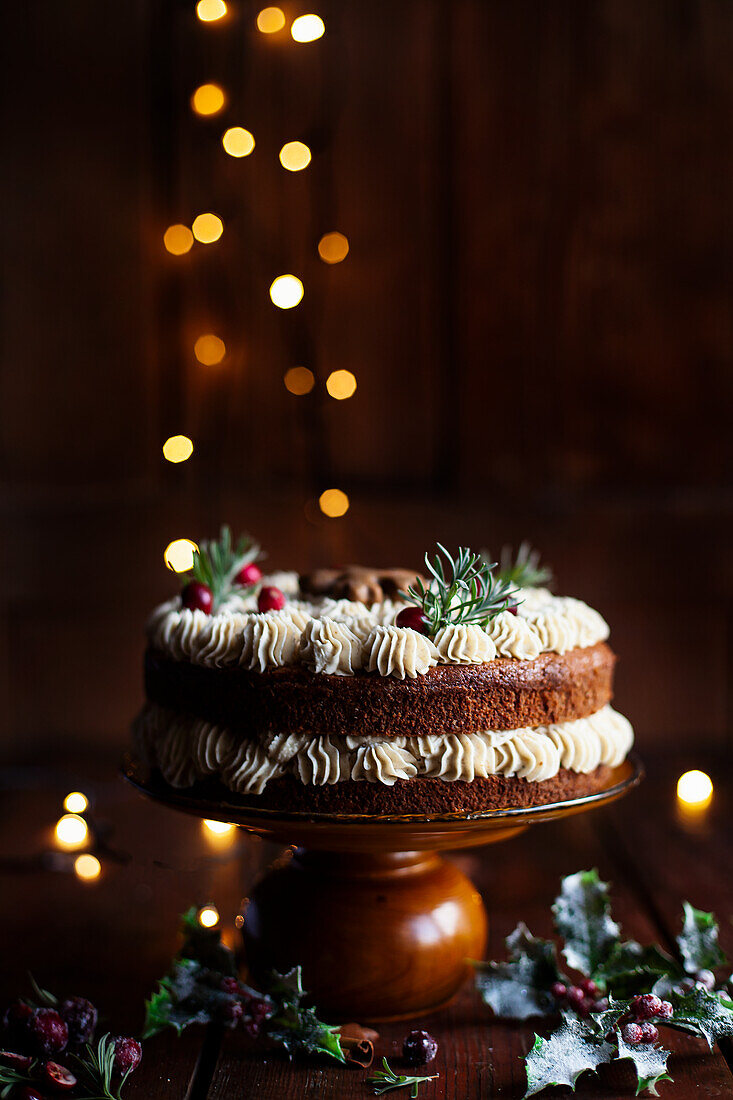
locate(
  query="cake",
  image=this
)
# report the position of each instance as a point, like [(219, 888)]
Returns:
[(378, 691)]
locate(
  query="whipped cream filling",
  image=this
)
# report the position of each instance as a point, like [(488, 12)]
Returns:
[(186, 749), (339, 637)]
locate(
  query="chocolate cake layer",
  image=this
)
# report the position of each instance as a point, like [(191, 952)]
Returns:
[(504, 694)]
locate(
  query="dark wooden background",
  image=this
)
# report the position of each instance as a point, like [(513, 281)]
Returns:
[(536, 305)]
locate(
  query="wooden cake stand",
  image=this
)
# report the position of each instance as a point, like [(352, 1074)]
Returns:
[(381, 924)]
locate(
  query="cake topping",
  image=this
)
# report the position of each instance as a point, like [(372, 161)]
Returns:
[(270, 599), (396, 651), (464, 644), (513, 637), (357, 582), (217, 568), (461, 590), (331, 647), (524, 569), (269, 640)]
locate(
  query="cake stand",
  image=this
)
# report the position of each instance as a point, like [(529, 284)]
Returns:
[(382, 926)]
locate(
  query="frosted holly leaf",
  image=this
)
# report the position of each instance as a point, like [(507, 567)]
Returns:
[(698, 941), (650, 1063), (521, 987), (703, 1013), (575, 1048), (630, 968), (583, 918)]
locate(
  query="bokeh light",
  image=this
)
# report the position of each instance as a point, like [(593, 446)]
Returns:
[(270, 20), (209, 349), (218, 828), (207, 228), (71, 831), (333, 248), (237, 141), (295, 156), (307, 28), (695, 788), (178, 239), (286, 291), (341, 384), (209, 11), (208, 916), (299, 380), (208, 99), (87, 867), (333, 503), (76, 802), (178, 555), (177, 448)]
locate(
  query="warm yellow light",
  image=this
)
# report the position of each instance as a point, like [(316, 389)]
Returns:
[(87, 867), (333, 248), (333, 502), (219, 828), (207, 228), (208, 99), (76, 802), (270, 20), (341, 384), (299, 380), (177, 448), (209, 349), (286, 291), (71, 831), (208, 916), (695, 788), (307, 28), (237, 141), (178, 555), (209, 11), (295, 156), (178, 239)]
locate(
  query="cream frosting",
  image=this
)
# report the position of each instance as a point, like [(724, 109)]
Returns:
[(513, 637), (464, 644), (330, 646), (186, 749), (400, 652), (269, 640)]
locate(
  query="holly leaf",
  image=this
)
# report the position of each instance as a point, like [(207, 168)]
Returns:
[(631, 968), (575, 1048), (650, 1063), (703, 1013), (520, 988), (698, 941), (583, 918), (296, 1028)]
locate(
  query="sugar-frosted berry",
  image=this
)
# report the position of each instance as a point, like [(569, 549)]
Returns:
[(559, 990), (666, 1011), (412, 618), (232, 1012), (646, 1006), (257, 1011), (590, 988), (705, 979), (270, 599), (631, 1034), (576, 996), (128, 1053), (58, 1076), (80, 1017), (419, 1048), (49, 1033), (649, 1033), (197, 597), (600, 1005), (19, 1062), (230, 985), (248, 575)]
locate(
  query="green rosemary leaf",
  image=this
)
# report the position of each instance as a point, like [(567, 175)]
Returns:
[(216, 563), (384, 1080), (462, 590), (523, 569)]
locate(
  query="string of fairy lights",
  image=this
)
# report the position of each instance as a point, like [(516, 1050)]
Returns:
[(286, 290)]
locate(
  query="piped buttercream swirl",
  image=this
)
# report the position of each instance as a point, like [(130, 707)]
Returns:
[(400, 652), (269, 640), (331, 647), (464, 644)]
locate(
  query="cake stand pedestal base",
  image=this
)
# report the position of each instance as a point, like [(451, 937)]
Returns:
[(379, 936)]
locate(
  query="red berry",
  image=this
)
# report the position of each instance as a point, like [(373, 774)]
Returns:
[(666, 1012), (248, 575), (270, 599), (576, 996), (80, 1017), (589, 987), (128, 1053), (28, 1092), (646, 1006), (705, 979), (649, 1033), (197, 597), (513, 608), (229, 985), (258, 1010), (559, 990), (412, 618), (21, 1062), (59, 1076), (232, 1012), (632, 1034), (48, 1031), (600, 1005), (419, 1048)]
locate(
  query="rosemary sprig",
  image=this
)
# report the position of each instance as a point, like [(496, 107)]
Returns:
[(10, 1077), (524, 570), (217, 562), (97, 1069), (385, 1080), (461, 590)]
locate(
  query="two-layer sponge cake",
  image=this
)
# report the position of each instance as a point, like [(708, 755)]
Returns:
[(375, 691)]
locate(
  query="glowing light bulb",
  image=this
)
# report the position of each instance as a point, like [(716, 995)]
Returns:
[(270, 20), (237, 141), (299, 380), (208, 99), (207, 228), (87, 867), (208, 916), (209, 349), (307, 28), (209, 11), (177, 448), (333, 248), (178, 239), (295, 156), (71, 831), (218, 828), (76, 802), (286, 291), (178, 555), (695, 788), (341, 384), (334, 503)]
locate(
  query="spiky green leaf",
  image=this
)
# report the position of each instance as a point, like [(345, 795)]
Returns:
[(698, 940), (583, 918)]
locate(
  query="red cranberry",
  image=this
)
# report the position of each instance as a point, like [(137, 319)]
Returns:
[(80, 1017), (649, 1033), (270, 599), (600, 1005), (28, 1092), (19, 1062), (59, 1076), (646, 1006), (48, 1031), (631, 1034), (412, 618), (576, 996), (230, 985), (197, 597), (232, 1012), (128, 1053), (590, 988), (419, 1048), (248, 575), (513, 609), (559, 990), (258, 1010), (666, 1012)]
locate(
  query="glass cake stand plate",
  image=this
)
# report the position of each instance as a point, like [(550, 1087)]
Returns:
[(381, 925)]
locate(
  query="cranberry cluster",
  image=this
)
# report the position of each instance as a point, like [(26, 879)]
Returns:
[(583, 999), (245, 1006), (637, 1027), (199, 597)]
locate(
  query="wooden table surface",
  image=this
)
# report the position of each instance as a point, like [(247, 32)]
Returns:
[(111, 938)]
